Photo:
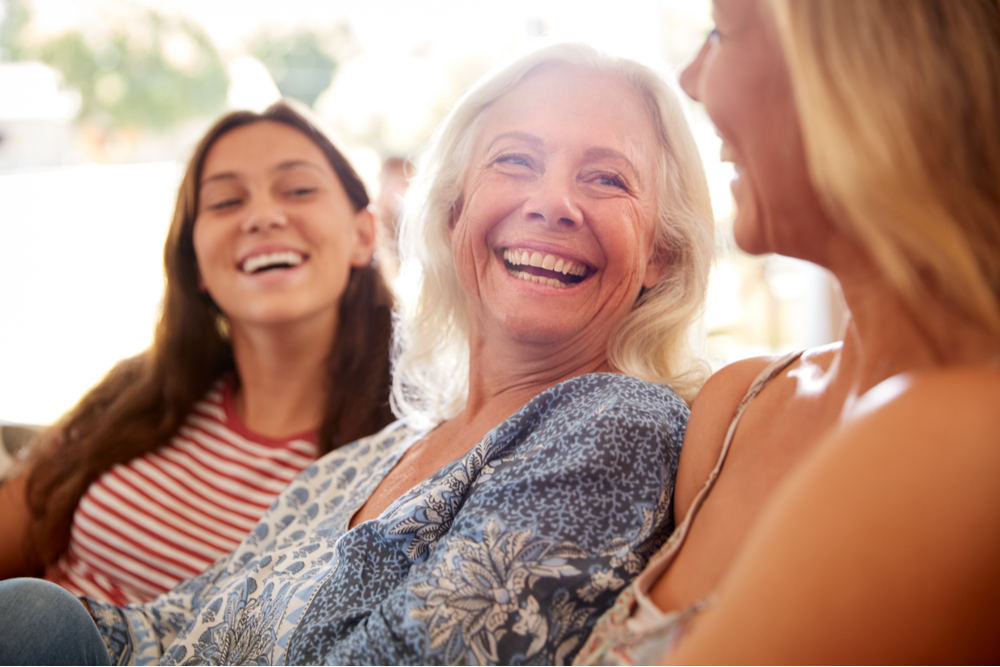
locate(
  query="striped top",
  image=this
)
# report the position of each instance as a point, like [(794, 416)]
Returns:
[(163, 517)]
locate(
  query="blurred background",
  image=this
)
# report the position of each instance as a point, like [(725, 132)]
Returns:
[(101, 102)]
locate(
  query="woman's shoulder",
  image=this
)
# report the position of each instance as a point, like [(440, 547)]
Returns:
[(947, 410), (889, 520), (623, 386), (921, 435), (714, 406), (615, 398), (717, 404), (601, 413), (903, 503)]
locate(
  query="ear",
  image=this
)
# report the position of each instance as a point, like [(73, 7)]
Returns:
[(364, 238), (456, 211), (657, 266)]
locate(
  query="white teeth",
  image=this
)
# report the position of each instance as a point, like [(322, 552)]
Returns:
[(257, 262), (539, 279), (548, 262)]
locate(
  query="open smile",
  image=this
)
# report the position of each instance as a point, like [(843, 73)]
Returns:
[(544, 268), (270, 261)]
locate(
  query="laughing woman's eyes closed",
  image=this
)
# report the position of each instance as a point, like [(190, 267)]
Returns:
[(223, 204), (303, 191)]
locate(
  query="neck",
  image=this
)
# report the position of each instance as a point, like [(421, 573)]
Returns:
[(502, 378), (884, 338), (283, 375)]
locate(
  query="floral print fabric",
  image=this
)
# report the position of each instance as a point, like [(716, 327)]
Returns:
[(507, 555)]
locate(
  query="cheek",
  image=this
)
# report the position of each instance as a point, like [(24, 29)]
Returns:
[(201, 245), (716, 93), (464, 248), (641, 220), (207, 251), (472, 233)]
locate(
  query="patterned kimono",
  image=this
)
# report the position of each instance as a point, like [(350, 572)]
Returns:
[(508, 555)]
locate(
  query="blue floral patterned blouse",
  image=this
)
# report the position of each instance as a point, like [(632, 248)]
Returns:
[(507, 555)]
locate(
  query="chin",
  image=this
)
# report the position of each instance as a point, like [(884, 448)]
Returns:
[(528, 330), (749, 233)]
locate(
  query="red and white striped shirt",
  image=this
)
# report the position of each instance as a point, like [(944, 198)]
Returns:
[(163, 517)]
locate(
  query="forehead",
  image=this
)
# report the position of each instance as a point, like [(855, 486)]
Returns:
[(262, 145), (579, 105)]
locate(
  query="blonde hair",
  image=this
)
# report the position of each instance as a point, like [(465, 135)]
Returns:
[(899, 104), (430, 375)]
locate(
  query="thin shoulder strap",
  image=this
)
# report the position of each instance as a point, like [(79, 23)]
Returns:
[(772, 371)]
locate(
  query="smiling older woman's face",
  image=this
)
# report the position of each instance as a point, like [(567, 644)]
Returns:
[(553, 236)]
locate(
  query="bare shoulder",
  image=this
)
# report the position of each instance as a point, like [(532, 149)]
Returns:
[(820, 357), (711, 414), (941, 425), (942, 420), (889, 532), (962, 398)]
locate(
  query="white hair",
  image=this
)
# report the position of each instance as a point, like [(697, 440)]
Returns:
[(431, 350)]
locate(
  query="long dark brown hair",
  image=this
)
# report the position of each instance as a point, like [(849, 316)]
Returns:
[(143, 401)]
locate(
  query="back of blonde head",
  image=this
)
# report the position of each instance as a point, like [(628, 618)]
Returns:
[(900, 110), (431, 352)]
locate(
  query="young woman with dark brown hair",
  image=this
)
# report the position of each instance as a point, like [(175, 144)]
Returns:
[(272, 349)]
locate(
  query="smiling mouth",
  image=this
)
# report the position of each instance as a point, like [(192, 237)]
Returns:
[(545, 269), (270, 261)]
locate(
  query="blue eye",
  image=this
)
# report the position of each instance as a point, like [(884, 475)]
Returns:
[(513, 158), (613, 181)]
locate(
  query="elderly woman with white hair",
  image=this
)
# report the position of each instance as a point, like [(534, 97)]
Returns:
[(563, 227)]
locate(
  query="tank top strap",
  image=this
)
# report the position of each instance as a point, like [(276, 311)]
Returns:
[(772, 371)]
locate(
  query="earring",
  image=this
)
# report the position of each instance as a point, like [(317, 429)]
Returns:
[(222, 326)]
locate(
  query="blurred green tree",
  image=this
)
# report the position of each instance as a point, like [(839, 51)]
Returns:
[(299, 65), (14, 15), (153, 72)]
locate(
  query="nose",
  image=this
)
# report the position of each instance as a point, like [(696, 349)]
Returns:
[(552, 203), (691, 75), (264, 215)]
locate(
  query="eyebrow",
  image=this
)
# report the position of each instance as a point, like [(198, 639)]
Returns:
[(284, 166), (523, 136)]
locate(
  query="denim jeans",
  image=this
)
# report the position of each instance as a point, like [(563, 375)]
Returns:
[(43, 624)]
